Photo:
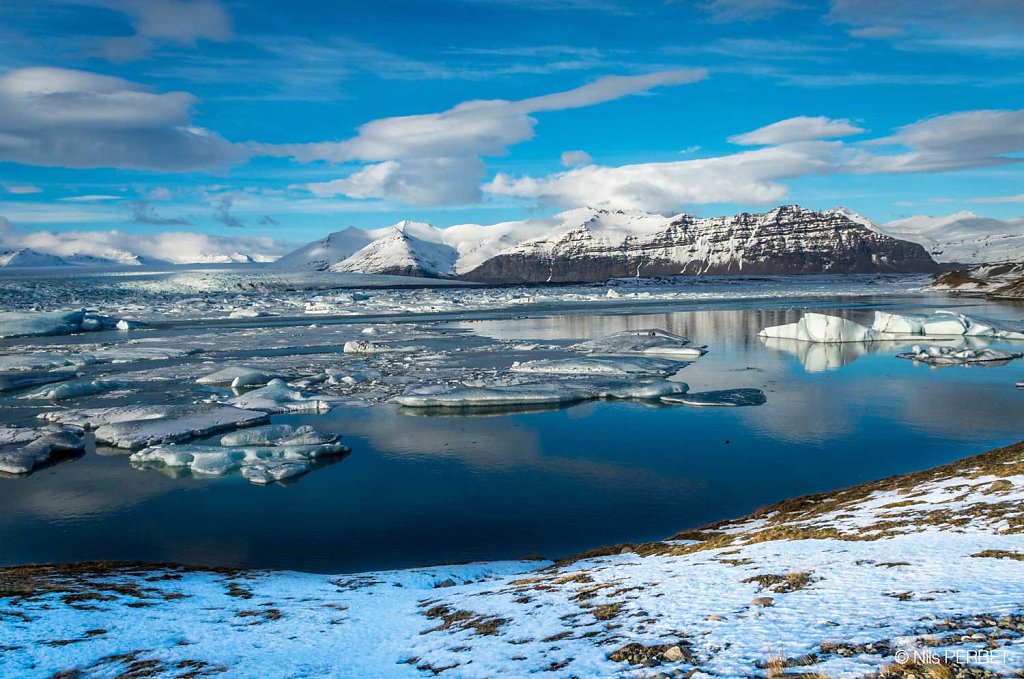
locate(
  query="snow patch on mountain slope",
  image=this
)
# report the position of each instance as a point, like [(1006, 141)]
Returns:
[(963, 237)]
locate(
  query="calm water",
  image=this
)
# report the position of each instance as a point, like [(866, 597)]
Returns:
[(431, 489)]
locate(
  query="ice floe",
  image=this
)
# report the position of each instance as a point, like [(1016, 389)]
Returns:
[(40, 360), (278, 397), (722, 397), (36, 324), (937, 355), (160, 424), (13, 381), (73, 389), (646, 341), (815, 327), (24, 449), (511, 392), (618, 366), (368, 347), (237, 376), (276, 460)]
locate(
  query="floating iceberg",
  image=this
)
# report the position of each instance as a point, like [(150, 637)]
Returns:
[(368, 347), (34, 324), (236, 376), (172, 424), (535, 393), (73, 389), (278, 397), (724, 397), (14, 381), (821, 328), (646, 341), (277, 434), (619, 366), (41, 360), (815, 327), (22, 450), (260, 464), (934, 355)]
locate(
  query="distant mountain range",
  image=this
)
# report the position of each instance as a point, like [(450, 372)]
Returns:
[(964, 237), (590, 244), (24, 258)]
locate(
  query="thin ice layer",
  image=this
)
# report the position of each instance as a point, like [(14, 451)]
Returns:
[(535, 393)]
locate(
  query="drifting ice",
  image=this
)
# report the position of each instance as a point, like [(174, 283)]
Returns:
[(29, 324), (606, 366), (724, 397), (22, 450), (172, 424), (535, 393), (278, 397), (934, 355), (73, 389), (647, 341), (236, 376), (886, 326)]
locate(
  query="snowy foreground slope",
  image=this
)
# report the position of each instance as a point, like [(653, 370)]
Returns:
[(917, 575), (589, 245)]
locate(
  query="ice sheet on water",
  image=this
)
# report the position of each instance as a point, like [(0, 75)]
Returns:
[(175, 423), (651, 341), (618, 366), (368, 347), (277, 434), (278, 397), (510, 392), (722, 397), (36, 324), (13, 381), (814, 327), (937, 355), (73, 389), (24, 449), (236, 376), (258, 464), (41, 360)]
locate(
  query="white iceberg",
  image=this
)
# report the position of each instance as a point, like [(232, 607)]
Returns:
[(936, 355), (645, 341), (535, 393), (277, 434), (176, 423), (723, 397), (73, 389), (368, 347), (618, 366), (278, 397), (36, 324), (236, 376), (22, 450), (260, 464), (815, 327)]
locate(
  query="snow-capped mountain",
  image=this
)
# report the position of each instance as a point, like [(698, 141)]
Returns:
[(26, 257), (589, 244), (964, 237)]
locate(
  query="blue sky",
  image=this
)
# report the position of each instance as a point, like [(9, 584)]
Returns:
[(290, 120)]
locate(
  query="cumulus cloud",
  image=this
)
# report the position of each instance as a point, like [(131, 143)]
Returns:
[(67, 118), (573, 158), (801, 128), (748, 177), (178, 22), (436, 158), (181, 247), (944, 143)]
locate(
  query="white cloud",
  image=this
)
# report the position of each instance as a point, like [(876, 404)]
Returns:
[(944, 143), (436, 158), (160, 193), (722, 11), (801, 128), (176, 246), (1019, 198), (178, 22), (748, 177), (419, 181), (996, 25), (573, 158), (66, 118), (22, 189), (90, 198)]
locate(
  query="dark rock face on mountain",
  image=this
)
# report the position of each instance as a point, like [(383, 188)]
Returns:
[(586, 245), (788, 240)]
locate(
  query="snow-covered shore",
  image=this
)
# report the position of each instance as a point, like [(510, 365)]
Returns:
[(919, 570)]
